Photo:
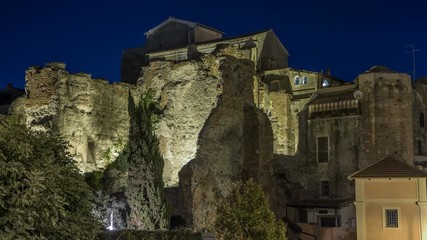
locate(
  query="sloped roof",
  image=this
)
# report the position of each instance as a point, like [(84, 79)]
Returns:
[(185, 22), (321, 203), (231, 39), (388, 167), (380, 69), (8, 95), (235, 37), (265, 31)]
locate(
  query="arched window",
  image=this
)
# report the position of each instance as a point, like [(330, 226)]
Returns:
[(297, 80), (325, 83), (422, 119), (304, 80)]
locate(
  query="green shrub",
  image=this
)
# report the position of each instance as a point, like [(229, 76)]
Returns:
[(42, 193), (93, 179), (149, 235), (245, 215)]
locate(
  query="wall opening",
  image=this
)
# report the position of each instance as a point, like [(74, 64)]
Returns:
[(322, 149)]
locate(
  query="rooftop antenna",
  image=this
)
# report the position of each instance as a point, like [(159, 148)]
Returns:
[(412, 51)]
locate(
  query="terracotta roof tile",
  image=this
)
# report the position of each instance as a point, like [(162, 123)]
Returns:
[(389, 167)]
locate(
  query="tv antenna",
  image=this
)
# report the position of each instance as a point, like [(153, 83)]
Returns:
[(412, 51)]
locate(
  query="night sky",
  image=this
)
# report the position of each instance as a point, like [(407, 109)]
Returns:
[(348, 37)]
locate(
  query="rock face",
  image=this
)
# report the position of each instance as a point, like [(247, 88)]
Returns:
[(234, 144), (187, 93), (91, 114), (209, 129)]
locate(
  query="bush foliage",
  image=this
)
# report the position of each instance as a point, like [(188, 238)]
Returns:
[(245, 215), (42, 193), (150, 235)]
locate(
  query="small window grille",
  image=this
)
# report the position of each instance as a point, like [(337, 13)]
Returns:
[(391, 218), (325, 188)]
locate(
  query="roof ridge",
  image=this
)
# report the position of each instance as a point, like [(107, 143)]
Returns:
[(191, 24), (386, 167)]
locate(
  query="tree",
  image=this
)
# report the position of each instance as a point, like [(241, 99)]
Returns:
[(42, 193), (145, 188), (245, 215)]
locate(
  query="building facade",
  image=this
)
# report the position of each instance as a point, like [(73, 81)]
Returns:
[(391, 201), (324, 128)]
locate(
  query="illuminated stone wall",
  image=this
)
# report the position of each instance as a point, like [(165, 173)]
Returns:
[(187, 93), (234, 144), (90, 114)]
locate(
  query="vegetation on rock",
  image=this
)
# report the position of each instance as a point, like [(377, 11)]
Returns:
[(108, 185), (145, 187), (42, 193), (245, 215)]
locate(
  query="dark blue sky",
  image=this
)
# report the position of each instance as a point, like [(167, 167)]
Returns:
[(89, 36)]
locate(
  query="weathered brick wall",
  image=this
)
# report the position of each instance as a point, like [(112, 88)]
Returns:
[(386, 116), (344, 138)]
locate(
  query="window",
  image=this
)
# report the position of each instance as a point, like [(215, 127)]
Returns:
[(275, 86), (303, 216), (304, 80), (391, 218), (325, 83), (422, 120), (330, 221), (322, 149), (325, 188), (419, 147), (323, 211), (297, 80)]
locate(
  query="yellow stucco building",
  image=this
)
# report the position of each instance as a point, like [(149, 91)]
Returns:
[(391, 201)]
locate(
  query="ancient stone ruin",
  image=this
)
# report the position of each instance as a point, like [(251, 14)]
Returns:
[(232, 109)]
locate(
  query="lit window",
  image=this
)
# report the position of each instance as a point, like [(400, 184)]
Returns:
[(297, 80), (391, 217), (325, 188), (304, 80), (422, 120), (325, 83), (322, 149)]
